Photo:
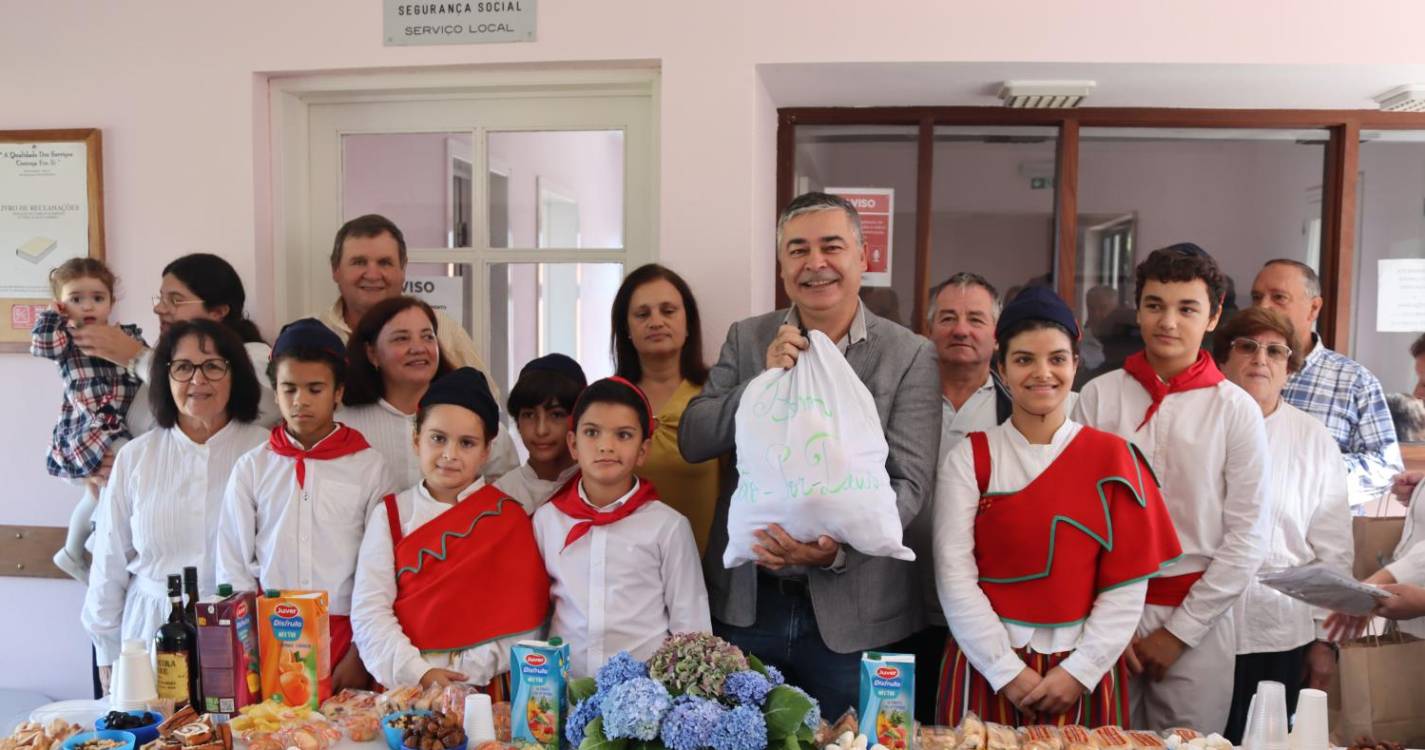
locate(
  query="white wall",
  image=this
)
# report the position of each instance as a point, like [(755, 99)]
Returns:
[(179, 90)]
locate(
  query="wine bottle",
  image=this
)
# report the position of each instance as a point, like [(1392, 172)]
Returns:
[(190, 615), (176, 646)]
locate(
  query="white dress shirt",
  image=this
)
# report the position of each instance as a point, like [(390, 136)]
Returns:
[(158, 514), (977, 414), (1208, 447), (1309, 520), (525, 486), (624, 586), (1409, 564), (392, 433), (385, 649), (303, 538), (987, 641)]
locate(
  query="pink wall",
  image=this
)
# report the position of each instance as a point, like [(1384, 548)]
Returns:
[(179, 90)]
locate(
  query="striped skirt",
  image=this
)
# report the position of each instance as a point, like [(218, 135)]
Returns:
[(963, 689)]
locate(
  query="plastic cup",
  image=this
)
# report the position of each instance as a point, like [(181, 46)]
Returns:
[(1310, 730), (479, 718), (1266, 722), (132, 684)]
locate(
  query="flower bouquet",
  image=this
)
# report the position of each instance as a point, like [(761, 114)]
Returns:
[(697, 691)]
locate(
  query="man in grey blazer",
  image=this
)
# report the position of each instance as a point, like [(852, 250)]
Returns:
[(811, 606)]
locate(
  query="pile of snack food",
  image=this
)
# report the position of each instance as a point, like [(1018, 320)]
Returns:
[(435, 731), (186, 729), (448, 700), (273, 726), (975, 734), (1371, 743), (356, 712), (32, 735)]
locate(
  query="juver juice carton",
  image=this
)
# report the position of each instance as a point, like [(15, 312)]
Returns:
[(539, 671), (294, 638), (887, 705), (227, 651)]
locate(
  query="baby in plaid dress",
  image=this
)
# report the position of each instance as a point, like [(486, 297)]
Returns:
[(97, 393)]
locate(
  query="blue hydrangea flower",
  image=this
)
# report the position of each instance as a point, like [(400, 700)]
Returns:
[(633, 709), (689, 726), (746, 688), (583, 712), (813, 717), (774, 675), (620, 669), (741, 728)]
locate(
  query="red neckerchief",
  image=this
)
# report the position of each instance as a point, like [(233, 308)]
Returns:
[(344, 441), (567, 500), (1201, 374)]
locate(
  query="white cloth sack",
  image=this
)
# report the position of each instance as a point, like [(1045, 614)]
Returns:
[(811, 457)]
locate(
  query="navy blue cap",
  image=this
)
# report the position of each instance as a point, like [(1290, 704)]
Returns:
[(309, 334), (1189, 248), (1036, 303), (559, 363), (466, 387)]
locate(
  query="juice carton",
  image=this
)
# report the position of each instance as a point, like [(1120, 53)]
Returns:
[(539, 671), (887, 706), (294, 639), (227, 651)]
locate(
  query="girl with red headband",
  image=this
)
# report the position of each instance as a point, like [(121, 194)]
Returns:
[(623, 567)]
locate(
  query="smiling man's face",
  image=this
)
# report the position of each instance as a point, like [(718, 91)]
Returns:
[(963, 328)]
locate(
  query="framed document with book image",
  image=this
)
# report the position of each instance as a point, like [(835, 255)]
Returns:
[(51, 210)]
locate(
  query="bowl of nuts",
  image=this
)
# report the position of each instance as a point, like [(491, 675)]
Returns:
[(437, 731), (394, 726), (105, 739), (143, 724)]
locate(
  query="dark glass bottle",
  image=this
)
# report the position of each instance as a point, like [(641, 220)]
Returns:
[(176, 647), (190, 614)]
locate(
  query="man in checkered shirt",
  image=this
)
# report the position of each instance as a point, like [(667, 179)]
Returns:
[(1332, 387)]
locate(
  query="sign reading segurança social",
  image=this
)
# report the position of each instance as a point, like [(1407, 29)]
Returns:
[(410, 23)]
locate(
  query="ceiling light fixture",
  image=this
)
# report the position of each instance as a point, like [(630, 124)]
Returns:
[(1044, 94), (1407, 98)]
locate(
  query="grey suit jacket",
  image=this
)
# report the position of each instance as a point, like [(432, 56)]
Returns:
[(872, 601)]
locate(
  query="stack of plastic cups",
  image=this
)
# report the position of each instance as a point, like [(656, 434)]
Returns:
[(1266, 719), (1310, 730), (132, 683), (480, 719)]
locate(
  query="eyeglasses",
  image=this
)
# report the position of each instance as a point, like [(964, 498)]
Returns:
[(172, 301), (1249, 347), (182, 371)]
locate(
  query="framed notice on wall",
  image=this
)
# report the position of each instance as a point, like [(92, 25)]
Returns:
[(877, 209), (51, 210)]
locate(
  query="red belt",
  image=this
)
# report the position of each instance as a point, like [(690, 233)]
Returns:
[(1170, 591)]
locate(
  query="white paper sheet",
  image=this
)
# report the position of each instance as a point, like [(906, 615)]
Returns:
[(1321, 586)]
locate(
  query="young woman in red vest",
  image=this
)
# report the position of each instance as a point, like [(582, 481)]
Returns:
[(1046, 532), (449, 576)]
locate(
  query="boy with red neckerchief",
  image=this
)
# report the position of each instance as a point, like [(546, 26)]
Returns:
[(295, 509), (623, 567), (1206, 440)]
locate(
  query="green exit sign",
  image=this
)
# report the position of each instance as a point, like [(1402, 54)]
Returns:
[(1039, 183)]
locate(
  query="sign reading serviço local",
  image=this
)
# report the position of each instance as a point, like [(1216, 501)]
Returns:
[(411, 23)]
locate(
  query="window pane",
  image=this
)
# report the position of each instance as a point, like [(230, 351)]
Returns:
[(421, 181), (443, 286), (871, 160), (1391, 229), (541, 308), (556, 189), (1245, 196), (994, 205)]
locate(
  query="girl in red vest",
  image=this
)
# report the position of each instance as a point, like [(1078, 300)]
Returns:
[(449, 577), (1046, 532)]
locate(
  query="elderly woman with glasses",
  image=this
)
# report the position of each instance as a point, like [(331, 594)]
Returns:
[(159, 510), (1280, 638)]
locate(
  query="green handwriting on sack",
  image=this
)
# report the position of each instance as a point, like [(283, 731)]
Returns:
[(777, 403), (795, 485)]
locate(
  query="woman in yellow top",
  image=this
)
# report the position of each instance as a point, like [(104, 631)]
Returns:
[(658, 345)]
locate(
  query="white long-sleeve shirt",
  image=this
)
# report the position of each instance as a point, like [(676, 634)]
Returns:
[(304, 538), (624, 586), (386, 650), (1409, 564), (987, 641), (1309, 519), (1208, 447), (158, 514), (392, 433), (525, 486)]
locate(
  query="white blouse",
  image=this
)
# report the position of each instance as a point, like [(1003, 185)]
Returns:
[(622, 587), (391, 432), (385, 649), (987, 641), (305, 538), (1310, 521), (158, 514), (1208, 447), (525, 486), (1409, 564)]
